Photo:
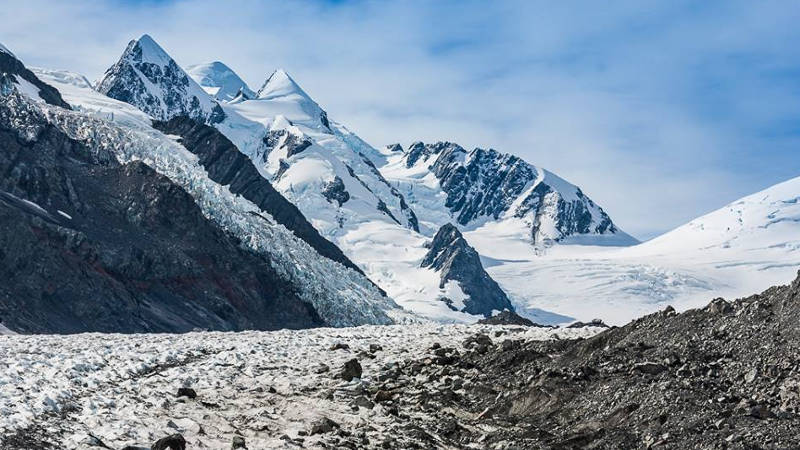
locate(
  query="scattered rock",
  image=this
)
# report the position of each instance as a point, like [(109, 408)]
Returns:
[(720, 306), (761, 412), (187, 392), (509, 318), (323, 425), (363, 402), (383, 396), (752, 375), (94, 441), (351, 369), (238, 442), (373, 348), (648, 367), (592, 323), (171, 442), (339, 346), (322, 368), (478, 340)]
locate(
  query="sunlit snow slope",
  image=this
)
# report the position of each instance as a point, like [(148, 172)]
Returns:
[(738, 250)]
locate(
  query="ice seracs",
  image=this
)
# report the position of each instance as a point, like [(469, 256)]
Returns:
[(148, 78), (220, 81)]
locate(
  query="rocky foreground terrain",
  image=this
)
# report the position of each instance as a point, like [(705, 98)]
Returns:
[(724, 376)]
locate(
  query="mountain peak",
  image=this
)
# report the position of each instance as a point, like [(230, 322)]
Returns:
[(149, 79), (219, 80), (455, 260), (146, 49), (280, 84)]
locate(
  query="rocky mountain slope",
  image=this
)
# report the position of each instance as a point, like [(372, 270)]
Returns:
[(723, 376), (118, 228), (337, 181), (14, 75), (452, 257)]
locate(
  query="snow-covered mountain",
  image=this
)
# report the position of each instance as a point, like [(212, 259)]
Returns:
[(445, 182), (162, 246), (148, 78), (554, 253), (744, 247), (766, 219), (318, 164), (220, 81), (337, 181)]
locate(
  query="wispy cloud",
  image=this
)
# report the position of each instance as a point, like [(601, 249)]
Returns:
[(661, 111)]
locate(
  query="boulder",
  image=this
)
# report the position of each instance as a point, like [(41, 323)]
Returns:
[(351, 369), (171, 442)]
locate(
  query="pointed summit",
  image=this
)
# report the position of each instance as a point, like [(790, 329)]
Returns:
[(455, 260), (148, 78), (280, 87), (280, 84), (152, 52), (220, 81)]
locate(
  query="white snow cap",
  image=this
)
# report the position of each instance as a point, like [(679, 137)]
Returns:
[(219, 80), (280, 84), (152, 52)]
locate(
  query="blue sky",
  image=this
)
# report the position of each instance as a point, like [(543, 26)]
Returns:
[(660, 111)]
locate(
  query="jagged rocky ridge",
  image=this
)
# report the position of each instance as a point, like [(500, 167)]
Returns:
[(455, 260), (227, 166), (12, 71), (146, 77), (489, 184)]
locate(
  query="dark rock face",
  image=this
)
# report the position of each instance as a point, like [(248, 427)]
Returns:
[(454, 259), (11, 69), (168, 91), (294, 145), (420, 151), (700, 379), (228, 166), (488, 183), (411, 217), (395, 148), (334, 191), (130, 251)]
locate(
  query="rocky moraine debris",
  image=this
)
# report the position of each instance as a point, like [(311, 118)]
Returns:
[(719, 377)]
